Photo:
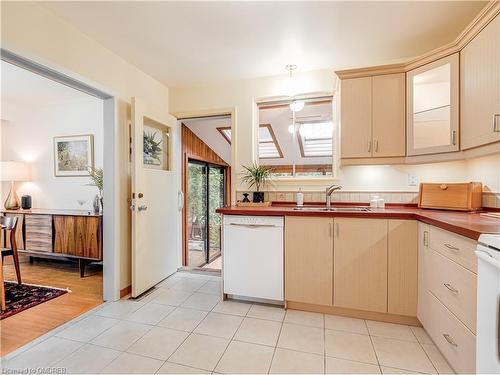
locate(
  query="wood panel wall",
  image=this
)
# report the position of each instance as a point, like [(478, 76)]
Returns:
[(195, 148)]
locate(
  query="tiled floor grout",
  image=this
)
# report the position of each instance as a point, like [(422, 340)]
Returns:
[(123, 318)]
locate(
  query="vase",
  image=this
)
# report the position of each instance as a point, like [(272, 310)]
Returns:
[(258, 197), (97, 204)]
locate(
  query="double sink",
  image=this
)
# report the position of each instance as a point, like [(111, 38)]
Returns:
[(334, 209)]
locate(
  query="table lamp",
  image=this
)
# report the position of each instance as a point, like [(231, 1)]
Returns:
[(13, 171)]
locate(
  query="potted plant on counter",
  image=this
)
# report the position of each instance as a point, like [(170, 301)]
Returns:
[(258, 176)]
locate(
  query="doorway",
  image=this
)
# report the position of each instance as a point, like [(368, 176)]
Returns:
[(206, 192)]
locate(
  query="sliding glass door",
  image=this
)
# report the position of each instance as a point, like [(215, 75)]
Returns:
[(206, 193)]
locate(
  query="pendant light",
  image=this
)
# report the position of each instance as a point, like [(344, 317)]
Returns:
[(295, 105)]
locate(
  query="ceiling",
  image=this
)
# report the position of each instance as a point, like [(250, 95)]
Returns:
[(185, 43)]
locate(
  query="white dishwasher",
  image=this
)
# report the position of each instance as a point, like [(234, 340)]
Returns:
[(252, 257)]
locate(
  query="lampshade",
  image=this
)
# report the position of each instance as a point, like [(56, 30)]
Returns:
[(14, 171)]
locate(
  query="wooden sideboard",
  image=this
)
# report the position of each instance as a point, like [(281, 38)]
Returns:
[(70, 234)]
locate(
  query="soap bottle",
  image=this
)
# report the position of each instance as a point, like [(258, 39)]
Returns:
[(300, 198)]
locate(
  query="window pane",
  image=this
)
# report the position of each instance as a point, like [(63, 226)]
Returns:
[(308, 148)]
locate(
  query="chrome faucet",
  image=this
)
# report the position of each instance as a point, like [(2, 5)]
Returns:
[(329, 191)]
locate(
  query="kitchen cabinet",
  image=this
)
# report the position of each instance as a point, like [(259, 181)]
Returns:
[(432, 94), (360, 264), (447, 286), (480, 88), (309, 260), (388, 115), (402, 267), (356, 117), (372, 116), (422, 296)]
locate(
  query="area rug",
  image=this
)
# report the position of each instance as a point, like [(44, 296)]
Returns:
[(21, 297)]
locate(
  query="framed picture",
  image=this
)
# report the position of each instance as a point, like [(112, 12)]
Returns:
[(73, 155), (155, 148)]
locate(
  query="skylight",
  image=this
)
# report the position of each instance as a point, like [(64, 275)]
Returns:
[(268, 145), (315, 139)]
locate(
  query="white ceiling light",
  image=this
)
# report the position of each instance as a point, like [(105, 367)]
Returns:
[(297, 105)]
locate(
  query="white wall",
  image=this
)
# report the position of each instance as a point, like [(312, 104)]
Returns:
[(241, 95), (28, 136), (35, 33)]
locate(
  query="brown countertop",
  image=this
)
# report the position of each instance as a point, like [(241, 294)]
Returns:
[(469, 224), (46, 211)]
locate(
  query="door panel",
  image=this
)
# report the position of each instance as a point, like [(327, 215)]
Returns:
[(155, 214), (389, 115), (356, 117), (360, 264), (309, 260), (216, 193), (197, 215)]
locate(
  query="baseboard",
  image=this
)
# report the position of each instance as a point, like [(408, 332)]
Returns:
[(352, 313), (125, 291)]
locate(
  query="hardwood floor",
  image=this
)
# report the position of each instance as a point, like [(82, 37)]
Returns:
[(26, 326)]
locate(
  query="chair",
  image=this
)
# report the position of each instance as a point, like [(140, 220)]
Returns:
[(10, 223)]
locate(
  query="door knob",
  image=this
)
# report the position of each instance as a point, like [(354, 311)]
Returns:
[(140, 195), (142, 208)]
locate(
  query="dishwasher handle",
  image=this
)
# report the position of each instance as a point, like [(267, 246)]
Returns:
[(254, 226)]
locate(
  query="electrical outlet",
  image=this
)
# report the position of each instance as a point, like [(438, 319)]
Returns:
[(412, 179)]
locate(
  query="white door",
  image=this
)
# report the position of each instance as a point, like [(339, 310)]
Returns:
[(154, 201)]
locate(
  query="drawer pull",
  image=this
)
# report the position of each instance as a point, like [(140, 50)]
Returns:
[(443, 187), (451, 288), (452, 248), (450, 340)]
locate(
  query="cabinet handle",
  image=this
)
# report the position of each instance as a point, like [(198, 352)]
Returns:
[(452, 248), (454, 137), (496, 128), (450, 339), (451, 288), (376, 145), (369, 146), (337, 230), (426, 238)]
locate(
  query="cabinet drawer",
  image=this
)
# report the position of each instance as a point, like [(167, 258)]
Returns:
[(454, 286), (455, 247), (38, 232), (453, 339)]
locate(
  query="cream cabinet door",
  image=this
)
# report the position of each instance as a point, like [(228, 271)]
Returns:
[(402, 267), (432, 107), (309, 260), (360, 264), (423, 249), (356, 117), (388, 121), (480, 88)]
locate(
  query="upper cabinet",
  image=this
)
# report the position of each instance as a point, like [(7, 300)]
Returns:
[(372, 116), (432, 114), (480, 87)]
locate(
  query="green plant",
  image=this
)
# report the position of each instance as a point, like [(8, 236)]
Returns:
[(257, 175), (152, 148), (96, 175)]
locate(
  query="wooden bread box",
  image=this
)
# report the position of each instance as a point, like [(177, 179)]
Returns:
[(454, 196)]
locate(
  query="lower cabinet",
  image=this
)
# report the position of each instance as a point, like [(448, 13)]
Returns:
[(77, 236), (447, 285), (402, 267), (309, 260), (352, 263), (360, 264)]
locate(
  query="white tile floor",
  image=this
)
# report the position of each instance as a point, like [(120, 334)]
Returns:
[(184, 327)]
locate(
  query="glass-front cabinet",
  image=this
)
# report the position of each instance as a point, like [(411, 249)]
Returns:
[(433, 107)]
